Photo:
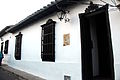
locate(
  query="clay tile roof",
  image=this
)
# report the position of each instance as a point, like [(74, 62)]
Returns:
[(40, 14)]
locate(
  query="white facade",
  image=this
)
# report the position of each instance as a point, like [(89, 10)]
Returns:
[(67, 58), (114, 20)]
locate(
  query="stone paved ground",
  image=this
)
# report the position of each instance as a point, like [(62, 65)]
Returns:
[(9, 73), (6, 75)]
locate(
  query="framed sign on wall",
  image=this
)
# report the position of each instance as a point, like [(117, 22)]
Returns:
[(66, 39)]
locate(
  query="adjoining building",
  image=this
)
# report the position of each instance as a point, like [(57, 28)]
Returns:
[(66, 40)]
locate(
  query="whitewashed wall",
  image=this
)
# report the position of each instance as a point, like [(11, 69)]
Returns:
[(67, 58), (115, 30), (6, 56)]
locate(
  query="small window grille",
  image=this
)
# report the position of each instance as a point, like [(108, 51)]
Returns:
[(67, 77)]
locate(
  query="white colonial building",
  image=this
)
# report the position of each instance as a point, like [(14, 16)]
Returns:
[(67, 40)]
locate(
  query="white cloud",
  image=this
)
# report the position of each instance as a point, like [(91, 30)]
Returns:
[(12, 11)]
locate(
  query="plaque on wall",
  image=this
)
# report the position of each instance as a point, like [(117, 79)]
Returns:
[(66, 39)]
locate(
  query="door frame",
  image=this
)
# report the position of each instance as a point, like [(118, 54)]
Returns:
[(87, 72)]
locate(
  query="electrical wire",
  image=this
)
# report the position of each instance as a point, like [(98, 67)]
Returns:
[(114, 2)]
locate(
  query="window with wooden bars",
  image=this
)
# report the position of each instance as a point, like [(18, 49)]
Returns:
[(48, 41), (6, 47), (2, 47), (18, 46)]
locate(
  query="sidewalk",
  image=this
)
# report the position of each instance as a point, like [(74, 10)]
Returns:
[(21, 74)]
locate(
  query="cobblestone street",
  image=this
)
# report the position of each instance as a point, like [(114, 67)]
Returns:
[(9, 73), (6, 75)]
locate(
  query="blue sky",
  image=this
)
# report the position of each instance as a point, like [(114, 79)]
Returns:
[(13, 11)]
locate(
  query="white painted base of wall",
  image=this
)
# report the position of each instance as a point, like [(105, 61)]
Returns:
[(49, 70), (6, 59), (117, 71)]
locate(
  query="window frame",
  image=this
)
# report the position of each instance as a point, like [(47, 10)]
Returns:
[(48, 44), (2, 44), (6, 47), (18, 44)]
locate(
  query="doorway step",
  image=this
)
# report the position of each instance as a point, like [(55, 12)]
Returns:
[(100, 78)]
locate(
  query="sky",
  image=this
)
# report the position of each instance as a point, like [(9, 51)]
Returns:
[(13, 11)]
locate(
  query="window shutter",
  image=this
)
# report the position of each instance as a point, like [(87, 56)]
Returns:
[(6, 47), (48, 41), (18, 46)]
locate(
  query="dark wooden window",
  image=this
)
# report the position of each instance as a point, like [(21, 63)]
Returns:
[(2, 47), (48, 41), (18, 46), (6, 47)]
